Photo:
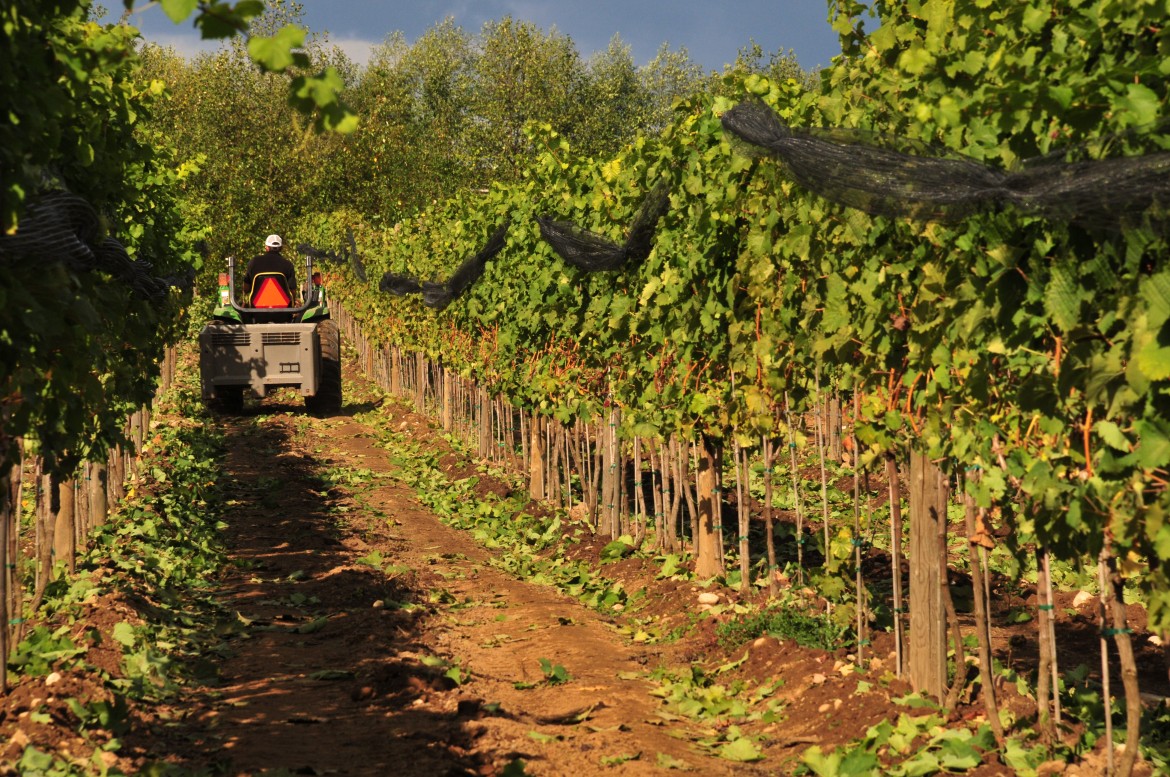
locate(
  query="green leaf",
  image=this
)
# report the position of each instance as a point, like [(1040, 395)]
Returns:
[(741, 750), (1111, 434), (1155, 291), (667, 761), (515, 768), (916, 60), (1061, 95), (123, 633), (823, 765), (178, 10), (1062, 301), (616, 550), (957, 755), (618, 760), (921, 765), (275, 53), (319, 90), (312, 626), (1139, 106), (1153, 448), (1035, 18)]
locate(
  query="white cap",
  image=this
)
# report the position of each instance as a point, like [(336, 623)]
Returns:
[(273, 241)]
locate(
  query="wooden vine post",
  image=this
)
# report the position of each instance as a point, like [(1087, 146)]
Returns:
[(447, 418), (927, 646), (536, 458), (706, 537), (484, 418), (98, 506), (64, 529)]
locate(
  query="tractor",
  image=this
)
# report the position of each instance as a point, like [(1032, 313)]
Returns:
[(271, 342)]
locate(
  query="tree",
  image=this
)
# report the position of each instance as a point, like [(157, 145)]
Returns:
[(670, 76), (614, 103), (521, 75)]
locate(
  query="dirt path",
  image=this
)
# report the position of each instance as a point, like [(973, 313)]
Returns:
[(362, 609)]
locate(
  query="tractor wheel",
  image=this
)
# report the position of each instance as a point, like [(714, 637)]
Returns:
[(229, 400), (327, 401)]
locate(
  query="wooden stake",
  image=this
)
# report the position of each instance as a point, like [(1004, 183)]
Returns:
[(741, 489), (1120, 631), (896, 560), (1055, 660), (769, 460), (796, 493), (1106, 694), (858, 582), (1044, 690), (982, 621), (928, 649), (706, 557)]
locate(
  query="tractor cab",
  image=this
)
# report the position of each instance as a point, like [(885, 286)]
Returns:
[(269, 299), (272, 339)]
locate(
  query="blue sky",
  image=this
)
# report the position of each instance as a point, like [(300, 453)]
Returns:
[(712, 31)]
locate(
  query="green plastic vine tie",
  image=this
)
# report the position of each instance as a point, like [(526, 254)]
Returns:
[(15, 621), (717, 527), (1044, 607), (1115, 632), (744, 538)]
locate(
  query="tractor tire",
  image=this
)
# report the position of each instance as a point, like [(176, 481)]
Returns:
[(327, 400), (229, 400)]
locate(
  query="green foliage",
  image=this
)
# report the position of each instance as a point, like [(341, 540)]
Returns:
[(520, 540), (554, 674), (78, 350), (912, 745), (162, 546), (1031, 352), (618, 549), (42, 648), (784, 622), (698, 696)]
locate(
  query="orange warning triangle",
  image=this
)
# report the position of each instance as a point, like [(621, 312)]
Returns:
[(272, 294)]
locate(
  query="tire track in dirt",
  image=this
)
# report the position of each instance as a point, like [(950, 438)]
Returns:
[(342, 665)]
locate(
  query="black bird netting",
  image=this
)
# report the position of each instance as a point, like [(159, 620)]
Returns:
[(439, 295), (399, 285), (318, 254), (591, 252), (59, 226), (864, 171)]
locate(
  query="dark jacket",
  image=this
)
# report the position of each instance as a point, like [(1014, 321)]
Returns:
[(271, 261)]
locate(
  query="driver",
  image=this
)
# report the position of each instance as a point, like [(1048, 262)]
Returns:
[(272, 261)]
